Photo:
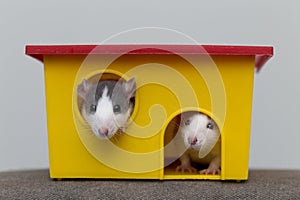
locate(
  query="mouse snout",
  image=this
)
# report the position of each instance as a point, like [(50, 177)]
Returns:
[(192, 140), (103, 131)]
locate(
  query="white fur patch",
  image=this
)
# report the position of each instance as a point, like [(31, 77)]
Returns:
[(105, 119), (196, 130)]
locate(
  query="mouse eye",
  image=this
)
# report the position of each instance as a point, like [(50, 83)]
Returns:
[(187, 122), (93, 108), (117, 109), (210, 126)]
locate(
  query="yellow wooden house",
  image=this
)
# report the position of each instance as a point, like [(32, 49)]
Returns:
[(171, 79)]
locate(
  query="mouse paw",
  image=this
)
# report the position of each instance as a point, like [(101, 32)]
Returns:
[(212, 171), (183, 168)]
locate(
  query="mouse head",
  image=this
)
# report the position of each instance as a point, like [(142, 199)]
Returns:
[(107, 105), (199, 132)]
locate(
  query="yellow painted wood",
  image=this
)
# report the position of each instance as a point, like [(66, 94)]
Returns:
[(166, 86)]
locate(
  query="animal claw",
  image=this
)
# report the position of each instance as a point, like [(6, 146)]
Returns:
[(182, 168), (210, 171)]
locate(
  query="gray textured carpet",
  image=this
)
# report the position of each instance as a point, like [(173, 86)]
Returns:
[(262, 184)]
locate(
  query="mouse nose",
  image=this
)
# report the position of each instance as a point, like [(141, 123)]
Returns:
[(193, 140), (103, 131)]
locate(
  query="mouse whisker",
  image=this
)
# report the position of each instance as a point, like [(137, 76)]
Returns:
[(115, 139)]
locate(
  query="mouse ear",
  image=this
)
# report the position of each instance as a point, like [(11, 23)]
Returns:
[(130, 87), (83, 88)]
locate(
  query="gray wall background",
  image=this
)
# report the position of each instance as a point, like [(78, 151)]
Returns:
[(275, 136)]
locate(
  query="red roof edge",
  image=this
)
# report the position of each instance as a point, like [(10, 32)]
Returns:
[(262, 53)]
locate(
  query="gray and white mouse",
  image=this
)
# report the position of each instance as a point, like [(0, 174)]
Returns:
[(107, 105), (201, 137)]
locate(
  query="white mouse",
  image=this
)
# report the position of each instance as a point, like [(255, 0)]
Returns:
[(107, 105), (201, 137)]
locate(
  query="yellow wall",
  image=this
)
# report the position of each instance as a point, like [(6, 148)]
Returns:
[(166, 84)]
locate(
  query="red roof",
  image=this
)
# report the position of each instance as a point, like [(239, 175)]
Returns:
[(261, 53)]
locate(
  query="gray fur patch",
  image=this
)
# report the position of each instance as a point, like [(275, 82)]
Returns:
[(116, 91)]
